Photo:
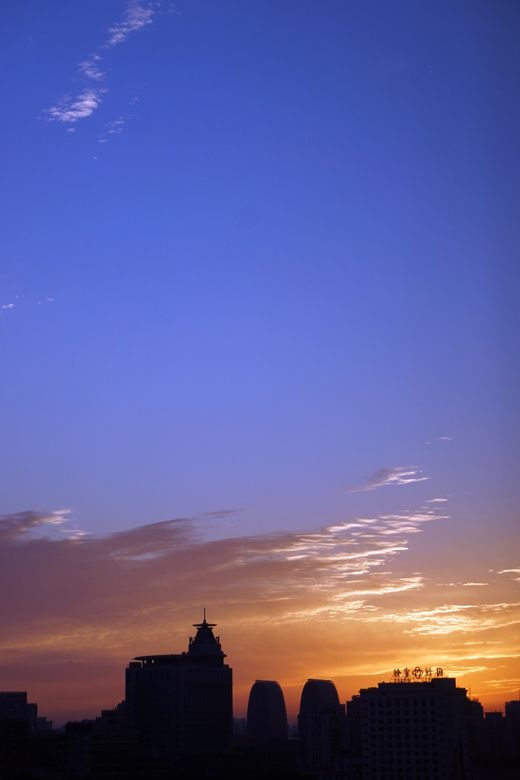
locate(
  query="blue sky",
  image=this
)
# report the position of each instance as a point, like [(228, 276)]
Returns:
[(254, 252)]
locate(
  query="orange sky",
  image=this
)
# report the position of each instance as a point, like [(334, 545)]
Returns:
[(349, 602)]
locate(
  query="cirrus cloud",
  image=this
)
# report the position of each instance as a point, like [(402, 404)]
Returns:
[(344, 598), (70, 109), (395, 475)]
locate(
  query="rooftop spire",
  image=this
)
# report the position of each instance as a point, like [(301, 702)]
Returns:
[(205, 642)]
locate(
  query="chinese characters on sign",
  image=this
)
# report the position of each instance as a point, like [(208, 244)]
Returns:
[(409, 675)]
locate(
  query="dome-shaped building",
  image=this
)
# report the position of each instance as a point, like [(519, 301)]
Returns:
[(267, 715), (320, 724), (319, 697)]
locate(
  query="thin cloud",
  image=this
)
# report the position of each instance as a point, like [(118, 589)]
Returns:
[(304, 603), (453, 618), (462, 584), (396, 475), (90, 68), (71, 109), (137, 16), (116, 127), (88, 578), (82, 106)]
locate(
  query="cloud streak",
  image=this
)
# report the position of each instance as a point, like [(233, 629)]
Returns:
[(137, 16), (395, 475), (335, 598), (90, 68), (455, 618), (75, 577), (71, 109)]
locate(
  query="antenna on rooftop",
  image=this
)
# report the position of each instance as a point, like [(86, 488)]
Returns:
[(204, 614)]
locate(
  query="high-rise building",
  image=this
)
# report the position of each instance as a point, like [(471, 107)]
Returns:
[(415, 731), (267, 716), (321, 725), (181, 703)]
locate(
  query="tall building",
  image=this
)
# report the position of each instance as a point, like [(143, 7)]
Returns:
[(321, 725), (181, 703), (267, 716), (415, 731)]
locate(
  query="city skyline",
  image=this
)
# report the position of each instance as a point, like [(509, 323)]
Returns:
[(204, 650), (259, 340)]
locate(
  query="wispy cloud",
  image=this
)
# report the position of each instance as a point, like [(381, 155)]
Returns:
[(454, 618), (116, 127), (511, 571), (137, 16), (395, 475), (90, 68), (462, 584), (70, 109), (451, 618), (175, 561), (337, 597)]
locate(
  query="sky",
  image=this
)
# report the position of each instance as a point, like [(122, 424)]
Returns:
[(259, 342)]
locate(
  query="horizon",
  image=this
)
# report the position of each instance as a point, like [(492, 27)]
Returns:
[(293, 700)]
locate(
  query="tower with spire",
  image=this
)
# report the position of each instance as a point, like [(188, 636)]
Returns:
[(181, 703)]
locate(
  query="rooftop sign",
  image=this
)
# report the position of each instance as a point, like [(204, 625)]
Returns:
[(417, 674)]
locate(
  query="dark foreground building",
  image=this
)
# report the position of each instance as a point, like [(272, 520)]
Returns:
[(14, 706), (267, 716), (416, 731), (181, 704), (321, 725)]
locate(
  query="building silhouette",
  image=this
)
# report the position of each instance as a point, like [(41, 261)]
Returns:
[(177, 723), (321, 725), (181, 704), (513, 728), (493, 736), (415, 731), (104, 747), (14, 706), (267, 716)]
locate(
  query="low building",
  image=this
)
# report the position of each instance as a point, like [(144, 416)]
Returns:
[(512, 720), (14, 706)]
